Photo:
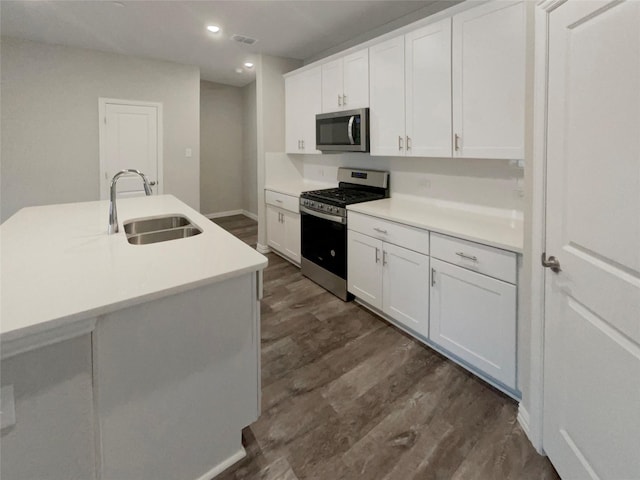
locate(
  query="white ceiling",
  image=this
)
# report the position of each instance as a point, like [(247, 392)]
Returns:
[(175, 30)]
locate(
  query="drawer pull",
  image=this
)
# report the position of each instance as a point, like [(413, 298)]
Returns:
[(279, 201), (433, 277), (377, 255), (380, 230), (384, 257), (473, 258)]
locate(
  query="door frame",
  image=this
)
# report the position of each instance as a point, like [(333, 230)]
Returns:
[(535, 413), (102, 111)]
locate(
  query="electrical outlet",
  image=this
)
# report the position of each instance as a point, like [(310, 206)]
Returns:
[(424, 183)]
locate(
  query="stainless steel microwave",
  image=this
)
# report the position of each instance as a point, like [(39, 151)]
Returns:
[(346, 131)]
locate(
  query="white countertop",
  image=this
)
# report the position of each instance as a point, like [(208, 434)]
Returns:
[(295, 188), (495, 230), (60, 266)]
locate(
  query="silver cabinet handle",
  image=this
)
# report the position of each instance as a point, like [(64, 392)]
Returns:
[(456, 139), (302, 144), (377, 255), (468, 257), (553, 263), (380, 230), (408, 143), (384, 257), (344, 100), (279, 201), (400, 143), (339, 100), (433, 277), (299, 147)]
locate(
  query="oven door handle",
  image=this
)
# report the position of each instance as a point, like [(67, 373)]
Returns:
[(326, 216), (350, 129)]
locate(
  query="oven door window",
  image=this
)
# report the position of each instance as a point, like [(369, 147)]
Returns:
[(339, 131), (325, 243)]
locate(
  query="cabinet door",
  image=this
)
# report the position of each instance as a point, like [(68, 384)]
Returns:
[(386, 80), (489, 80), (311, 104), (275, 229), (293, 135), (405, 286), (332, 87), (474, 317), (292, 235), (356, 80), (428, 90), (364, 268)]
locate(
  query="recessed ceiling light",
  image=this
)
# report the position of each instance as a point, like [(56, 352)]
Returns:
[(248, 64), (239, 70), (213, 28)]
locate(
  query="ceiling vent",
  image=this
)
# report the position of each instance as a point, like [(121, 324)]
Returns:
[(243, 39)]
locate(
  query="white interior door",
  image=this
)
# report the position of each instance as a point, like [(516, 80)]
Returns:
[(129, 135), (592, 311)]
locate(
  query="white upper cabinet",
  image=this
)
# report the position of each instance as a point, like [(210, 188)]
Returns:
[(428, 90), (345, 82), (489, 81), (386, 81), (302, 103), (411, 93)]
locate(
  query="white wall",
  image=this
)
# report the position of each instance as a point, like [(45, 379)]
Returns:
[(249, 150), (221, 148), (493, 184), (53, 435), (50, 120)]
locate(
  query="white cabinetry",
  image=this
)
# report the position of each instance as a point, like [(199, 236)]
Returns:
[(283, 224), (473, 313), (411, 93), (389, 277), (302, 103), (489, 81), (345, 82)]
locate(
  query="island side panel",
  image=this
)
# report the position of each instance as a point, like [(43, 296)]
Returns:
[(53, 433), (175, 382)]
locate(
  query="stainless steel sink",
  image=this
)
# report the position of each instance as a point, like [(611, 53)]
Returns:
[(161, 229), (155, 224), (163, 235)]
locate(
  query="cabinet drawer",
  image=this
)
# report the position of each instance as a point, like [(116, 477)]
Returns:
[(475, 256), (287, 202), (402, 235)]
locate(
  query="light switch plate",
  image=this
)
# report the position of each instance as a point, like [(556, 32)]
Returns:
[(7, 407), (188, 153)]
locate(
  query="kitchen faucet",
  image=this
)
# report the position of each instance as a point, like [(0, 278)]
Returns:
[(113, 213)]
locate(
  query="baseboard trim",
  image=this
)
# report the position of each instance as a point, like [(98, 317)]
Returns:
[(524, 419), (262, 248), (221, 467), (228, 213), (252, 216)]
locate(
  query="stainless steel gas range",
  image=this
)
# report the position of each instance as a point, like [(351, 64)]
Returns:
[(324, 225)]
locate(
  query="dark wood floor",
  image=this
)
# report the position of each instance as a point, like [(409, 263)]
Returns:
[(345, 395)]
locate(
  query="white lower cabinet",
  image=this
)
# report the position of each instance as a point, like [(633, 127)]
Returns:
[(390, 278), (457, 296), (283, 225), (473, 317)]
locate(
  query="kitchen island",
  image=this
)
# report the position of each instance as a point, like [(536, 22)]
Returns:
[(121, 360)]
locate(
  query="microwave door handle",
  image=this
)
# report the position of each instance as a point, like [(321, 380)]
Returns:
[(350, 129)]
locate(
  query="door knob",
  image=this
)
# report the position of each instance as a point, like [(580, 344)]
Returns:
[(152, 183), (553, 263)]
